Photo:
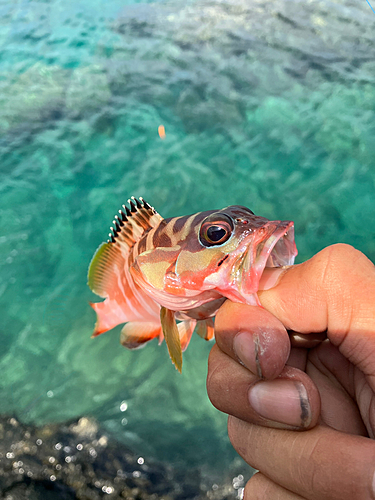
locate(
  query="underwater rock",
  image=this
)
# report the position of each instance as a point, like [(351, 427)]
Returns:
[(35, 95), (87, 91), (76, 460), (203, 61), (212, 56), (305, 41)]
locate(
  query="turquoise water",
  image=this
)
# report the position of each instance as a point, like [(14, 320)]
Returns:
[(271, 106)]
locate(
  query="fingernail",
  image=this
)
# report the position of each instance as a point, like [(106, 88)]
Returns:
[(246, 346), (283, 401), (271, 276)]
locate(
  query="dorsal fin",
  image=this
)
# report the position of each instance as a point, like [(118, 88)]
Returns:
[(133, 222)]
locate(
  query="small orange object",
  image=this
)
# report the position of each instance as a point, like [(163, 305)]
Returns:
[(161, 131)]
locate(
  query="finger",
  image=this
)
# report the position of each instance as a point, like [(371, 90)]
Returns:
[(254, 337), (291, 401), (297, 358), (306, 341), (333, 291), (334, 375), (260, 487), (321, 463)]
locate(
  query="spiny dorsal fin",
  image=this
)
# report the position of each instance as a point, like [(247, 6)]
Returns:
[(110, 262), (133, 222)]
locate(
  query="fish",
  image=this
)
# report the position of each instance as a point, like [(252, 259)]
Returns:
[(165, 278)]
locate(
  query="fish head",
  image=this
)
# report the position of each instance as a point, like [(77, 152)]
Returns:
[(230, 250), (224, 251)]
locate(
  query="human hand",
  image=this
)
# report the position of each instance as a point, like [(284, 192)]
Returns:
[(272, 384)]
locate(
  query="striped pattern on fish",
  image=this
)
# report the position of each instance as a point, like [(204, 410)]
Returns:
[(154, 271)]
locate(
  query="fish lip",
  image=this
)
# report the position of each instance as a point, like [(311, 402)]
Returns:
[(272, 246)]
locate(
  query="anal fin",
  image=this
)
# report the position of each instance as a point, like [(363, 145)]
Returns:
[(205, 329), (135, 334), (185, 330), (172, 336)]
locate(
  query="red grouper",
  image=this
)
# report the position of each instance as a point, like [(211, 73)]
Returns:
[(154, 272)]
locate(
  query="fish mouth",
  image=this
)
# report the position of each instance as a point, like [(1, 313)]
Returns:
[(272, 246)]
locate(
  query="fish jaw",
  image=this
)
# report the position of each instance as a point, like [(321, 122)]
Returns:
[(272, 246)]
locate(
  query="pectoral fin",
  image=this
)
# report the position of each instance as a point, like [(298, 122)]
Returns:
[(172, 336)]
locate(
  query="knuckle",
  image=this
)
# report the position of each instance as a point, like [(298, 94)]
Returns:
[(332, 260), (332, 263), (335, 286)]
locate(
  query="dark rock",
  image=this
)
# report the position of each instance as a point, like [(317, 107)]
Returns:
[(76, 460)]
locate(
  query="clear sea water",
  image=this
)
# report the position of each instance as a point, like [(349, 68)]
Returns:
[(265, 104)]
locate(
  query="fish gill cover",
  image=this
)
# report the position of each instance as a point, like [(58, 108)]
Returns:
[(265, 104)]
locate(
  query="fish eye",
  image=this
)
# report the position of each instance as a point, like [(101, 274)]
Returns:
[(215, 230)]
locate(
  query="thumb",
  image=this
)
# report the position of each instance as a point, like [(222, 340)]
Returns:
[(334, 291)]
